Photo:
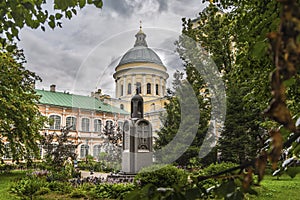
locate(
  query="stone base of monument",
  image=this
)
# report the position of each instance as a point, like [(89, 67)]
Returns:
[(132, 163)]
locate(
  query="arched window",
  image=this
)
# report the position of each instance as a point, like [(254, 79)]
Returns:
[(148, 88), (122, 90), (97, 125), (85, 124), (156, 89), (55, 122), (139, 87), (96, 151), (84, 150), (129, 88), (71, 122), (122, 106)]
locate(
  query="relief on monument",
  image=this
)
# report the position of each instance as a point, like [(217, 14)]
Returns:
[(143, 134), (126, 135)]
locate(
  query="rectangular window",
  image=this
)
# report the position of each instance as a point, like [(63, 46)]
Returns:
[(156, 89), (122, 90), (71, 122), (55, 122), (148, 88), (85, 124), (97, 125), (129, 88)]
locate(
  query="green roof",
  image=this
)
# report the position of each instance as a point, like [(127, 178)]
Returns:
[(76, 101)]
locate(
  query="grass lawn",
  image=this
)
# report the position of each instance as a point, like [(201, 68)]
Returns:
[(5, 180), (284, 188)]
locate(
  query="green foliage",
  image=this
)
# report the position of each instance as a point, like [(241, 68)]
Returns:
[(17, 14), (28, 186), (61, 155), (161, 176), (77, 193), (211, 170), (111, 191), (100, 166), (20, 118), (61, 187)]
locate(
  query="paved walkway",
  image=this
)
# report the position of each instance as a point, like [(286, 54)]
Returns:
[(85, 174)]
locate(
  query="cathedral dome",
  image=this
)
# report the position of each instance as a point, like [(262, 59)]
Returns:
[(140, 54)]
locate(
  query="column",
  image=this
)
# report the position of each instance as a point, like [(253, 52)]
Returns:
[(153, 85), (144, 85), (124, 85), (160, 87), (133, 86), (116, 92)]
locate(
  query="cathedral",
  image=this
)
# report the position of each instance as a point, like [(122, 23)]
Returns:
[(140, 71)]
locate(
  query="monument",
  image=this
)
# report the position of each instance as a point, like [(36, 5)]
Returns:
[(137, 139)]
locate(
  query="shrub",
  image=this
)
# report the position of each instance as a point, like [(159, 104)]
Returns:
[(111, 191), (57, 186), (77, 193), (161, 176), (28, 186), (210, 170), (42, 191)]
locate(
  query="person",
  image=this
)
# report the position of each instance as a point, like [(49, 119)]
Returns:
[(69, 166)]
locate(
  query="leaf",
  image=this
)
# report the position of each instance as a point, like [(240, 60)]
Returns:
[(74, 11), (98, 3), (43, 28), (279, 112), (58, 16), (11, 48), (247, 180), (14, 31), (293, 171), (259, 49), (51, 24), (82, 3), (68, 14), (260, 165), (276, 149), (225, 188)]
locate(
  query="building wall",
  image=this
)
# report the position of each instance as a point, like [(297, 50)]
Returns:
[(90, 137)]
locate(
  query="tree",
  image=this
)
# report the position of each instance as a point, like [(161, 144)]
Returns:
[(19, 13), (59, 148), (239, 141), (174, 120), (20, 120)]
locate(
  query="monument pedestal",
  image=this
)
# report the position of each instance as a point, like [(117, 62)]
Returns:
[(133, 162)]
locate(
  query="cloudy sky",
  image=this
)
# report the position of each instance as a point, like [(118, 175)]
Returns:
[(81, 57)]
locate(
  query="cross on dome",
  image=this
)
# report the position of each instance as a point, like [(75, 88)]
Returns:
[(140, 37)]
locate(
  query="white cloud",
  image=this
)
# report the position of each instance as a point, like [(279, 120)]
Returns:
[(79, 56)]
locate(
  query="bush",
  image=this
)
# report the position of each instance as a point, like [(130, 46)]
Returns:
[(28, 186), (42, 191), (62, 187), (161, 176), (77, 193), (111, 191), (210, 170)]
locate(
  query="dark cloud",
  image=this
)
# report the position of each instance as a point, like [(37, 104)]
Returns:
[(130, 7)]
